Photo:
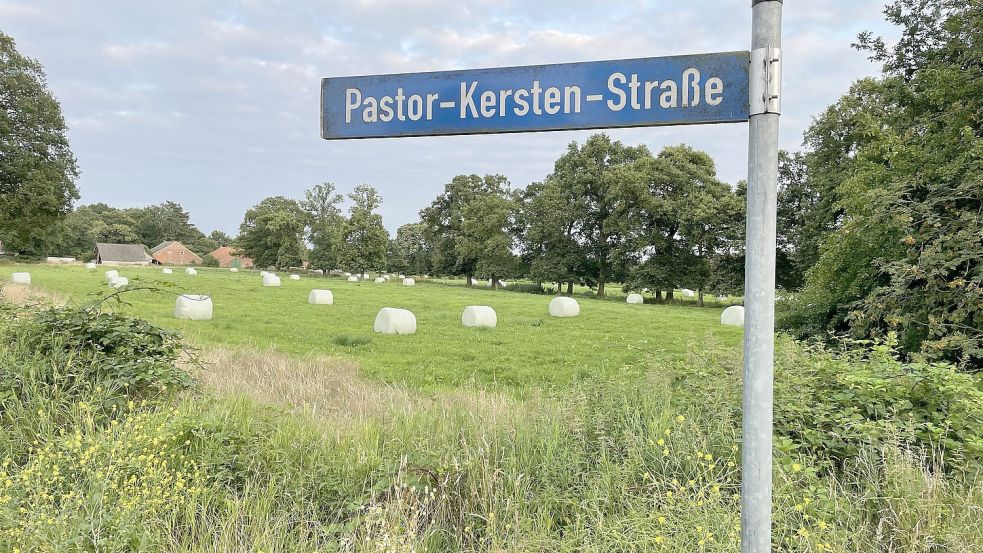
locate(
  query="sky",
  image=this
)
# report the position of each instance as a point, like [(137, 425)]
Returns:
[(215, 105)]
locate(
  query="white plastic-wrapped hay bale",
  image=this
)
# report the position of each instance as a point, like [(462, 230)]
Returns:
[(190, 271), (271, 280), (721, 298), (562, 306), (118, 282), (687, 293), (479, 316), (409, 282), (233, 269), (21, 278), (320, 297), (402, 276), (346, 274), (379, 280), (263, 273), (111, 273), (193, 307), (635, 299), (294, 277), (353, 279), (319, 272), (166, 271), (90, 266), (395, 321), (503, 284), (733, 316)]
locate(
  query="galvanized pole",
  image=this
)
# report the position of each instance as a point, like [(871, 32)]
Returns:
[(759, 275)]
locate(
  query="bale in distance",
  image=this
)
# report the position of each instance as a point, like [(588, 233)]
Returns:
[(90, 266), (347, 274), (118, 282), (688, 293), (21, 278), (409, 282), (320, 297), (733, 316), (391, 320), (112, 273), (166, 271), (380, 280), (193, 307), (294, 277), (271, 280), (402, 276), (233, 269), (190, 271), (353, 279), (562, 306), (635, 299), (479, 316)]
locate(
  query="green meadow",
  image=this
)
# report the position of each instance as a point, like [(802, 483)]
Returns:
[(528, 347), (298, 429)]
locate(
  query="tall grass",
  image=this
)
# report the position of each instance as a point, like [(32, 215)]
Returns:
[(279, 453)]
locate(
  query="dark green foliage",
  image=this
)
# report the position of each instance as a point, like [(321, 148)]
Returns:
[(897, 166), (37, 167), (444, 222), (326, 226), (841, 406), (124, 352), (364, 237), (271, 233), (209, 261)]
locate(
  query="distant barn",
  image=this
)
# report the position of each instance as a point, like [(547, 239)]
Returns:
[(174, 253), (122, 254), (227, 258)]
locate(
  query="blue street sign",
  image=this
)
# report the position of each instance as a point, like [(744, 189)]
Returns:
[(676, 90)]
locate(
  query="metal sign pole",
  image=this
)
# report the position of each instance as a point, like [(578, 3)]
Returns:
[(759, 275)]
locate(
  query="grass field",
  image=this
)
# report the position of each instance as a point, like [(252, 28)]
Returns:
[(618, 430), (528, 346)]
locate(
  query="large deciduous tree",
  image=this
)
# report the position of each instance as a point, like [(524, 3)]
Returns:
[(443, 221), (409, 251), (486, 235), (272, 232), (365, 238), (37, 168), (326, 225), (586, 177)]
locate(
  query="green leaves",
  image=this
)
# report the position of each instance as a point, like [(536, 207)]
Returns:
[(37, 167)]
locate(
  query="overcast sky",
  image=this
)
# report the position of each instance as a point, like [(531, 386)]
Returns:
[(215, 104)]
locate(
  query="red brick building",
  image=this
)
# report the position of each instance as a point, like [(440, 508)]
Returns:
[(227, 258), (174, 253)]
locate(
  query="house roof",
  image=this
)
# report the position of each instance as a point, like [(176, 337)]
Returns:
[(161, 246), (130, 253)]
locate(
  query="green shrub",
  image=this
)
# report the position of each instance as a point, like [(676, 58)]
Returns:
[(102, 349), (209, 261)]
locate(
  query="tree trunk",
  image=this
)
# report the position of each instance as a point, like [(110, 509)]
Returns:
[(669, 294), (470, 280), (570, 288), (699, 297), (494, 282), (559, 287), (658, 295), (600, 282)]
